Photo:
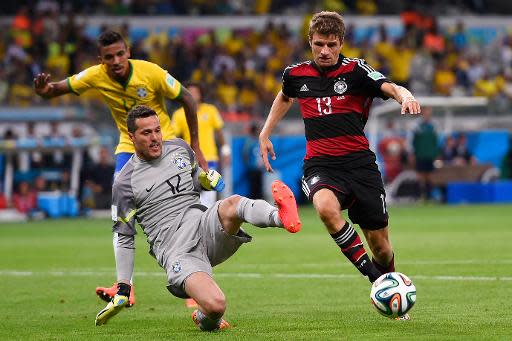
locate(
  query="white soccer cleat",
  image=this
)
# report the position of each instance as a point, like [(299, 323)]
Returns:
[(113, 307)]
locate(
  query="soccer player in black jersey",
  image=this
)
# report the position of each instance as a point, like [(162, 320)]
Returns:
[(335, 94)]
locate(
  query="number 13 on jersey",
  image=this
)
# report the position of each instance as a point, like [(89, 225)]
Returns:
[(324, 105)]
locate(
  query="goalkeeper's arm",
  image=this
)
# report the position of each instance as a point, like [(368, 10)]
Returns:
[(124, 248)]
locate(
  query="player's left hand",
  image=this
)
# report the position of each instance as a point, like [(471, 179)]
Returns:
[(410, 105), (211, 180)]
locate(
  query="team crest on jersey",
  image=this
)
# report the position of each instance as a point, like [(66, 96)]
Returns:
[(176, 267), (179, 161), (340, 87), (142, 92)]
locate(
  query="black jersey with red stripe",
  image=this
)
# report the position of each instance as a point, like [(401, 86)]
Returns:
[(335, 103)]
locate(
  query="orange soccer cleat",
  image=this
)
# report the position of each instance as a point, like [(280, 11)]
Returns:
[(106, 294), (288, 212), (190, 303)]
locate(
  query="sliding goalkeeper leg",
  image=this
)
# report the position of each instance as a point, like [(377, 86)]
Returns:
[(118, 302)]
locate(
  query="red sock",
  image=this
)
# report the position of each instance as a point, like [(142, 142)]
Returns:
[(385, 269)]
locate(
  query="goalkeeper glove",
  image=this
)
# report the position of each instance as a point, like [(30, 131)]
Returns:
[(211, 180)]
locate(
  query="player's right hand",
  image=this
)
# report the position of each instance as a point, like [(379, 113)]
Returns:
[(211, 180), (42, 84), (266, 148)]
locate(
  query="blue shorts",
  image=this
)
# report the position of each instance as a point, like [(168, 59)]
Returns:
[(121, 160)]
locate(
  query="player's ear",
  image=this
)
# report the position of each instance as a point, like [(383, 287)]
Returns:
[(131, 136), (128, 52)]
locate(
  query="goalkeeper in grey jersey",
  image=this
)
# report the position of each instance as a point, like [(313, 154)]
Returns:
[(159, 189)]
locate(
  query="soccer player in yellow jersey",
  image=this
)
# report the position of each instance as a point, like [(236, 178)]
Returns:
[(124, 83), (210, 126)]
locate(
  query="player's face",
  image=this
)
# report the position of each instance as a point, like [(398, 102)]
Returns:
[(147, 139), (115, 56), (326, 49)]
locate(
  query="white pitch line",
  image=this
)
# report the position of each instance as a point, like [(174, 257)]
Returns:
[(342, 263), (16, 273)]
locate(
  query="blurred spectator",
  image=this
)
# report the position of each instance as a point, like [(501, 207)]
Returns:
[(459, 36), (434, 41), (4, 86), (393, 149), (422, 70), (400, 62), (462, 154), (35, 157), (448, 151), (253, 163), (25, 198), (426, 150), (487, 86), (98, 182), (10, 136), (227, 92), (444, 79), (55, 138)]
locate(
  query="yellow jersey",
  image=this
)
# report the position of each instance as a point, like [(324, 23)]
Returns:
[(147, 84), (208, 120)]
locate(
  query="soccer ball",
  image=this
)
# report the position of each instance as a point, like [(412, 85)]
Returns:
[(393, 294)]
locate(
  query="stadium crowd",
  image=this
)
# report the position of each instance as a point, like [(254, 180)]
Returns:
[(242, 68)]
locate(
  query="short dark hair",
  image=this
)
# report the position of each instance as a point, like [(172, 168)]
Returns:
[(109, 37), (327, 23), (138, 111)]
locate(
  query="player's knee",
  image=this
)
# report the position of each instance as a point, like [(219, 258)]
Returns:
[(231, 202), (327, 212), (215, 306)]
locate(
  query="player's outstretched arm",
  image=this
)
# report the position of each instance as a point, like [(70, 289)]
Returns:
[(46, 89), (280, 107), (402, 96), (190, 108)]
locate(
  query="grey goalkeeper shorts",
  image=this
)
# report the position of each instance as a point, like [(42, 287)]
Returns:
[(200, 251)]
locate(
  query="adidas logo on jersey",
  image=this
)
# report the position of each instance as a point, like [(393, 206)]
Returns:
[(304, 88)]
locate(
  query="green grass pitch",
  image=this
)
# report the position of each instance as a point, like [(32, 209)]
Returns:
[(279, 287)]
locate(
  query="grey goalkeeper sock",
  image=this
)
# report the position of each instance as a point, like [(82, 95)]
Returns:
[(258, 212)]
